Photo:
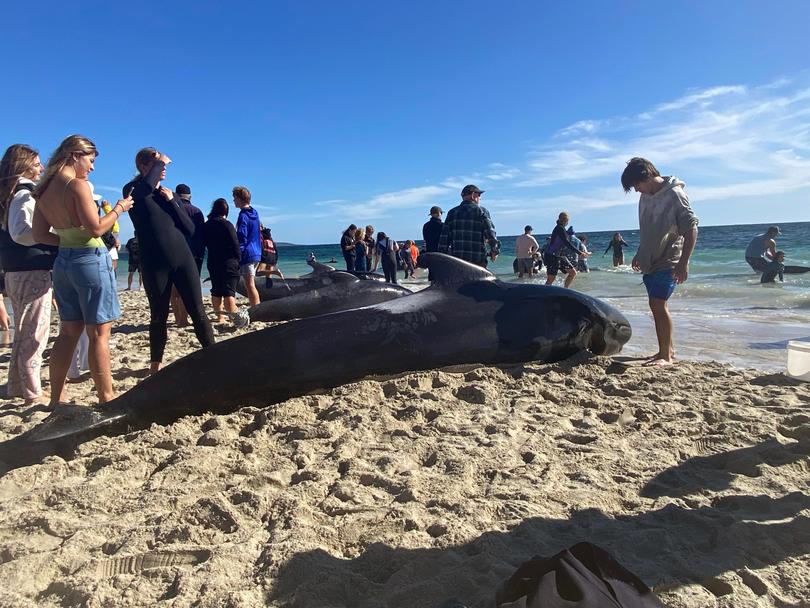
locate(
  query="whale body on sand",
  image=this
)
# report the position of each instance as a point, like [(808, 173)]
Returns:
[(345, 292), (274, 288), (465, 316)]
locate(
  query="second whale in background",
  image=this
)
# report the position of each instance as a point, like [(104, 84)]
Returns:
[(343, 292)]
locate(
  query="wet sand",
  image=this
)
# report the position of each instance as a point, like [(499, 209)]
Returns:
[(411, 490)]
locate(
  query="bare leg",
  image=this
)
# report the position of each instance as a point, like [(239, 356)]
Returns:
[(550, 278), (230, 304), (572, 274), (216, 303), (99, 360), (180, 313), (129, 281), (252, 292), (62, 351), (5, 321), (663, 330)]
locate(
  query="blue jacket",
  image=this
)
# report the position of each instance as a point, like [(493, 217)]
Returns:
[(250, 239)]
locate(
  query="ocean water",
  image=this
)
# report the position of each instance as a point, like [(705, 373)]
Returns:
[(722, 313)]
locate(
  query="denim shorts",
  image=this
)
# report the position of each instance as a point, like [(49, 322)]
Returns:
[(660, 285), (84, 286)]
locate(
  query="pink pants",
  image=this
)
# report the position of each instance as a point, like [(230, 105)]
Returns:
[(30, 294)]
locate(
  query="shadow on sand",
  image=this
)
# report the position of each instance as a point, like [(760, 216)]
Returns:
[(666, 548)]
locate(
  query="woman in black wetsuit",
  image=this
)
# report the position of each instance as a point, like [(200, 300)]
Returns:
[(165, 258)]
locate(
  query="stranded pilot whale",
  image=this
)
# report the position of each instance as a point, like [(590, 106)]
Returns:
[(465, 316), (345, 292), (322, 275)]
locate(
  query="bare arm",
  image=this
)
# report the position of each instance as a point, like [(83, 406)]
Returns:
[(681, 272), (87, 210)]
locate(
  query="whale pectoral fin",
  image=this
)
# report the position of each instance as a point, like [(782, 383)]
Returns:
[(447, 271)]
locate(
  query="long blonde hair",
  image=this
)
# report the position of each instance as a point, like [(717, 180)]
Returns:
[(71, 147), (18, 159)]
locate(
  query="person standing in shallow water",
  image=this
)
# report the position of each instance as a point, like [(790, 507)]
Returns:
[(617, 243), (166, 261), (667, 236)]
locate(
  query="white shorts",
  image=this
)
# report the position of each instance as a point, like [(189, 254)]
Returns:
[(248, 270)]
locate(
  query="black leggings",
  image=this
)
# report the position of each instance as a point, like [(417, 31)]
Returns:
[(389, 267), (158, 285)]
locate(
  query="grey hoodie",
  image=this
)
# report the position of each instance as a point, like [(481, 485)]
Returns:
[(663, 219)]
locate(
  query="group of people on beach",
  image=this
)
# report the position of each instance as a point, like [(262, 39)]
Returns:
[(52, 252), (667, 237)]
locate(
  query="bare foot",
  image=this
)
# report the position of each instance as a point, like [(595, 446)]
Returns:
[(658, 362)]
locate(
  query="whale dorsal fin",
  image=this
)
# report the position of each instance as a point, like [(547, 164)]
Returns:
[(338, 276), (447, 271), (318, 267)]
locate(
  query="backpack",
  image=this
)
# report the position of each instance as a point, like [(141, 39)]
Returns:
[(583, 576)]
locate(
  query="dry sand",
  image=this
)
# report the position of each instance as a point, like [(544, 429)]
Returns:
[(411, 490)]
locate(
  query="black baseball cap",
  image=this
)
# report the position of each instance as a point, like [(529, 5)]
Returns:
[(182, 189), (471, 189), (435, 209)]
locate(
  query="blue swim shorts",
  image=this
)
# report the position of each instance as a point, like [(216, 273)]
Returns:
[(660, 285), (84, 286)]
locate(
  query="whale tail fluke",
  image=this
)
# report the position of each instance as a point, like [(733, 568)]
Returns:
[(58, 435)]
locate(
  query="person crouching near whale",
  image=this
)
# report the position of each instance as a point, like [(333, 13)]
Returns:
[(761, 251), (667, 236), (83, 279), (166, 260), (774, 269)]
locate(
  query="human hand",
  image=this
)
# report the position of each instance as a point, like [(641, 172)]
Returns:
[(126, 204), (166, 193), (635, 264), (681, 272)]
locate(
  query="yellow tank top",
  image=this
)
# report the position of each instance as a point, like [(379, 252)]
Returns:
[(77, 238)]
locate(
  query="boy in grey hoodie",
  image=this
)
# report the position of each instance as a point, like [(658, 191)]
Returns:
[(667, 234)]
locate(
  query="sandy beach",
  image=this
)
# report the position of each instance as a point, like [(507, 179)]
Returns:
[(411, 490)]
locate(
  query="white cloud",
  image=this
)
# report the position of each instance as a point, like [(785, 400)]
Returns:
[(730, 143)]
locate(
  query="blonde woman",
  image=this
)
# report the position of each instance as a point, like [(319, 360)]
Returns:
[(360, 250), (84, 284), (27, 265)]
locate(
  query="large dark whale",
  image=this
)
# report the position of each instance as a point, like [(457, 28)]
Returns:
[(322, 275), (465, 316), (344, 292)]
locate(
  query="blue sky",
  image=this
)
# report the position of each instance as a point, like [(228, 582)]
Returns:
[(370, 112)]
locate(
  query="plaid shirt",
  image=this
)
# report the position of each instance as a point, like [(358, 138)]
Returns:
[(466, 231)]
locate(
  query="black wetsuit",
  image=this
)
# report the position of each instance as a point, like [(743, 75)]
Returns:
[(166, 260)]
